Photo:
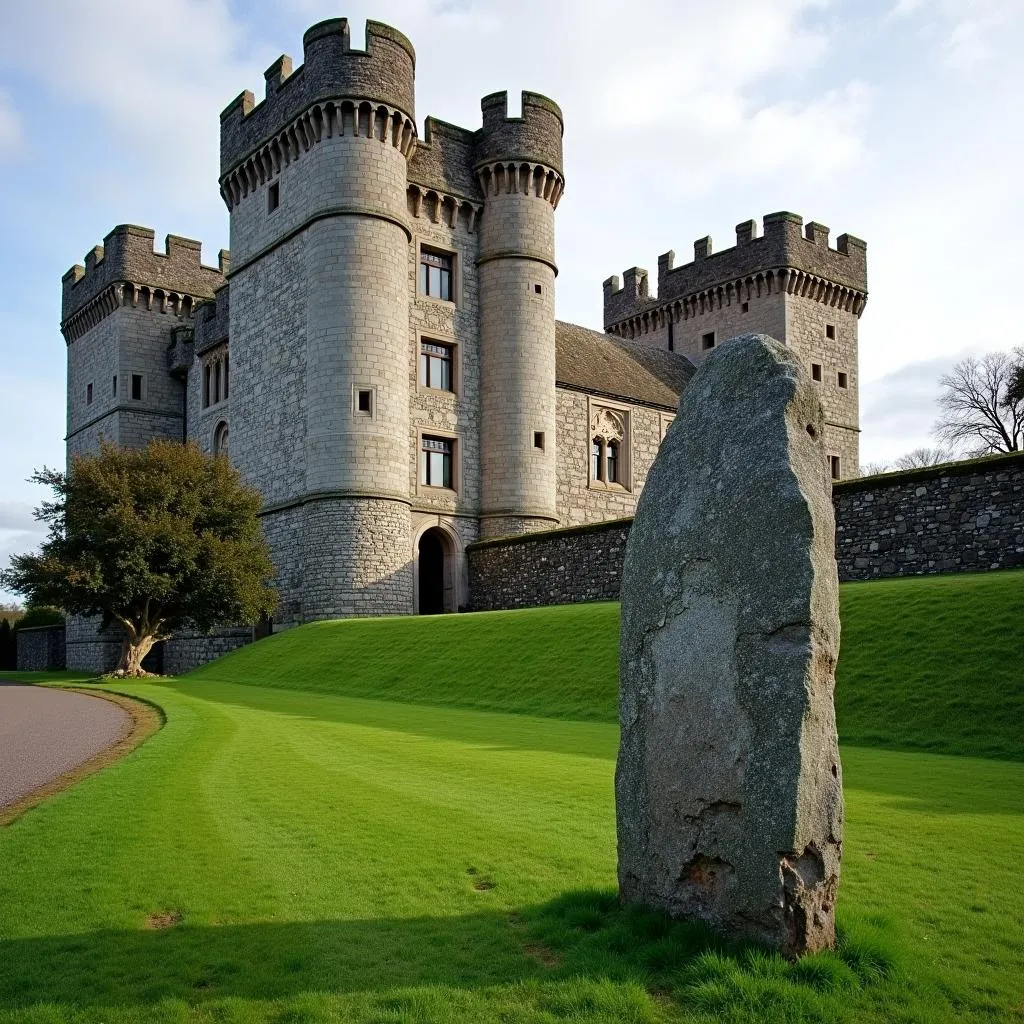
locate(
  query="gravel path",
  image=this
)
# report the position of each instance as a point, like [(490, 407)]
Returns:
[(45, 733)]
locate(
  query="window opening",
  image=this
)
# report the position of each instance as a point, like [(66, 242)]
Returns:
[(830, 331), (435, 275), (745, 308), (137, 387), (707, 340), (436, 462), (217, 396), (538, 439), (436, 365), (273, 197), (834, 465), (225, 377), (611, 460), (816, 371), (88, 394), (842, 379), (207, 373), (537, 289), (364, 402), (113, 386)]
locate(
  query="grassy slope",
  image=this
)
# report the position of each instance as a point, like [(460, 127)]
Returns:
[(932, 663), (337, 858)]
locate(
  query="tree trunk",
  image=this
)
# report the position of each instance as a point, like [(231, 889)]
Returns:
[(133, 653)]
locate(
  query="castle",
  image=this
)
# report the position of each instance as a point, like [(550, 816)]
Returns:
[(379, 353)]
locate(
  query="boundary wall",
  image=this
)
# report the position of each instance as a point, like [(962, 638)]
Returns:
[(959, 517)]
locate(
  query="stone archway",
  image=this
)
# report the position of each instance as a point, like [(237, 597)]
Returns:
[(436, 573)]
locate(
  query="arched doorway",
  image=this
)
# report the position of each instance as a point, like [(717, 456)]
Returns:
[(436, 573)]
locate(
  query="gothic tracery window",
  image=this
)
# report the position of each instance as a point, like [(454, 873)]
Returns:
[(607, 447)]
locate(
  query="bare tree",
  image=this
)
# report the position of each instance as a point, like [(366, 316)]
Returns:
[(978, 414), (921, 457), (1015, 388), (873, 468)]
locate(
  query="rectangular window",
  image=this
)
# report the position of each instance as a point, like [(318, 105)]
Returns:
[(707, 340), (842, 379), (436, 274), (113, 386), (88, 394), (830, 331), (217, 392), (745, 308), (207, 376), (596, 462), (833, 461), (436, 462), (538, 439), (364, 402), (537, 289), (816, 371), (273, 197), (136, 387), (436, 366)]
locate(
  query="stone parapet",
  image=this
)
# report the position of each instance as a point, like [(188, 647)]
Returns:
[(786, 244), (127, 256), (384, 72), (535, 137)]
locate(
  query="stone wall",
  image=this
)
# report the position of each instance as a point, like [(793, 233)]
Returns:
[(41, 649), (190, 650), (961, 517)]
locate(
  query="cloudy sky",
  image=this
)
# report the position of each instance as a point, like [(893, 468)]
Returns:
[(900, 121)]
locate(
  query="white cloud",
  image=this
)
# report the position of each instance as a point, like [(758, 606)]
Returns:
[(967, 31), (11, 139), (17, 515)]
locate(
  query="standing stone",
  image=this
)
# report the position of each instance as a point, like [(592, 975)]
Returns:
[(728, 787)]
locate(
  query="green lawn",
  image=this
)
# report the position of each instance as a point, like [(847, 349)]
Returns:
[(321, 856)]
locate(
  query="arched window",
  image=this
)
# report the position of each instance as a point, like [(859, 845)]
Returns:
[(596, 461), (220, 439), (609, 452)]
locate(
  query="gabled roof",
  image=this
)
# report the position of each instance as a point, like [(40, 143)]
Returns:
[(600, 364)]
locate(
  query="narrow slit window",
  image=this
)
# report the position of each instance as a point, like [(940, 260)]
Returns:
[(834, 466), (136, 387), (88, 394), (436, 366), (707, 341), (225, 377), (273, 197), (436, 274), (207, 375), (113, 386), (611, 459), (597, 459), (816, 371), (217, 395)]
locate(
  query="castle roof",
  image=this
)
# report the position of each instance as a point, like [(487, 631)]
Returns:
[(600, 364)]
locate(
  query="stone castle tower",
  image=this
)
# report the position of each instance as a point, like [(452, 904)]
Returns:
[(786, 282), (379, 355)]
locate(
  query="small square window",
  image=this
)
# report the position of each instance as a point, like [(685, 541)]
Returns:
[(707, 340), (830, 331), (273, 197), (816, 371), (834, 466), (364, 402), (88, 394), (843, 380), (745, 308), (113, 386), (538, 439), (136, 387), (537, 289)]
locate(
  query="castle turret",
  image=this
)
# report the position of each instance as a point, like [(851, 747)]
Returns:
[(787, 282), (315, 178), (519, 167)]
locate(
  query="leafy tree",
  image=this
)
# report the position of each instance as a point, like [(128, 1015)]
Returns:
[(921, 457), (980, 411), (157, 539), (1015, 386), (39, 615)]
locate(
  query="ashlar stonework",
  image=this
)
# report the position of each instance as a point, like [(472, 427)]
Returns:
[(728, 785)]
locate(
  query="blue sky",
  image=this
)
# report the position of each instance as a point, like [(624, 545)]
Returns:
[(900, 121)]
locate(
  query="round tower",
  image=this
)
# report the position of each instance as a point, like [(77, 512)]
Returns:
[(322, 318), (519, 167)]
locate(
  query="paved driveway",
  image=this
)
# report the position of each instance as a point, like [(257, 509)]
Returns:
[(45, 733)]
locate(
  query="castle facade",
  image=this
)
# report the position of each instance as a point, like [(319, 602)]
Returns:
[(379, 353)]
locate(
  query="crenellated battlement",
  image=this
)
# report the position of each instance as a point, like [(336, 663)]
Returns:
[(786, 244), (443, 159), (127, 258), (535, 137), (383, 73)]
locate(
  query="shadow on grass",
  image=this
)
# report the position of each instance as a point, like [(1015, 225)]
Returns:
[(584, 935)]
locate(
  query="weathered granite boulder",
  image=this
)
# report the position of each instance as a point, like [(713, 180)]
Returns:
[(729, 793)]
